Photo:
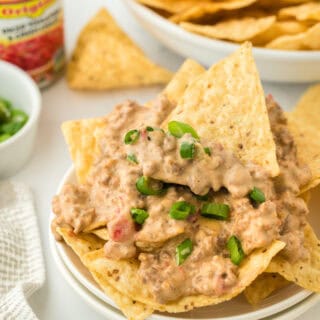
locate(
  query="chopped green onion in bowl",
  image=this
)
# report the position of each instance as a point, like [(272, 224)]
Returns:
[(11, 120)]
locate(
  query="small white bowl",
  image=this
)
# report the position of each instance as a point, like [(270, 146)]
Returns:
[(274, 65), (17, 87)]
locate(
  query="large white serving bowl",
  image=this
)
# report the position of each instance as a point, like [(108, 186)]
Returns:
[(18, 87), (274, 65), (236, 309)]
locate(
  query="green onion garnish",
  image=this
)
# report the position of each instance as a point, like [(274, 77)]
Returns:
[(181, 210), (132, 158), (131, 136), (149, 129), (187, 150), (205, 197), (219, 211), (178, 129), (207, 151), (139, 215), (235, 249), (149, 187), (257, 195), (183, 251)]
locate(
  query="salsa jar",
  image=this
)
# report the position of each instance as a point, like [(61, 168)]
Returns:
[(31, 37)]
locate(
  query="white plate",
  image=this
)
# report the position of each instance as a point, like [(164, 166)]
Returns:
[(274, 65), (111, 313), (236, 309)]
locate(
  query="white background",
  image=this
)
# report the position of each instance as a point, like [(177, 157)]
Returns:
[(56, 300)]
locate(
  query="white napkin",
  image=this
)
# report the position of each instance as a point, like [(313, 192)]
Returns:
[(21, 263)]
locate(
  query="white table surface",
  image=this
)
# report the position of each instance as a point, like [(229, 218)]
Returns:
[(56, 300)]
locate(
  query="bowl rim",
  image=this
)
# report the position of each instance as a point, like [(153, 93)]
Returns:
[(227, 46), (36, 101)]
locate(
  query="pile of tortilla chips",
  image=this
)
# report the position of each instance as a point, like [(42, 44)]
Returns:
[(225, 103), (274, 24)]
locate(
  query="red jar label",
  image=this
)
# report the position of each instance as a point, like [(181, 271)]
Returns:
[(31, 36)]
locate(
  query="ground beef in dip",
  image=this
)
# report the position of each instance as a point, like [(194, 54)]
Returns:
[(110, 193)]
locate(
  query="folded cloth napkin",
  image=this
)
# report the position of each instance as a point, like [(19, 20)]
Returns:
[(21, 262)]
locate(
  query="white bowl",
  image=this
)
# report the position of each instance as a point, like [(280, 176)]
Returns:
[(274, 65), (235, 309), (17, 87)]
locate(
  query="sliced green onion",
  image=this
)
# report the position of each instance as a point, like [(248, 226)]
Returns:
[(178, 129), (11, 127), (205, 197), (4, 137), (187, 150), (139, 215), (235, 249), (183, 251), (19, 116), (132, 158), (131, 137), (207, 151), (219, 211), (5, 112), (257, 195), (150, 187), (181, 210), (149, 129)]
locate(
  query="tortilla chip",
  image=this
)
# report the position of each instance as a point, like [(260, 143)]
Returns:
[(129, 283), (238, 30), (201, 9), (308, 40), (307, 11), (227, 104), (83, 146), (305, 273), (83, 244), (101, 233), (263, 286), (304, 124), (188, 71), (132, 309), (169, 5), (278, 29), (106, 58)]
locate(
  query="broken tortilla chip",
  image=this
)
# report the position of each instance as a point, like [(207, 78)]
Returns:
[(82, 144), (227, 104), (237, 30), (128, 282), (106, 58), (308, 40), (306, 11), (305, 273), (278, 29), (304, 124), (101, 233), (263, 286)]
